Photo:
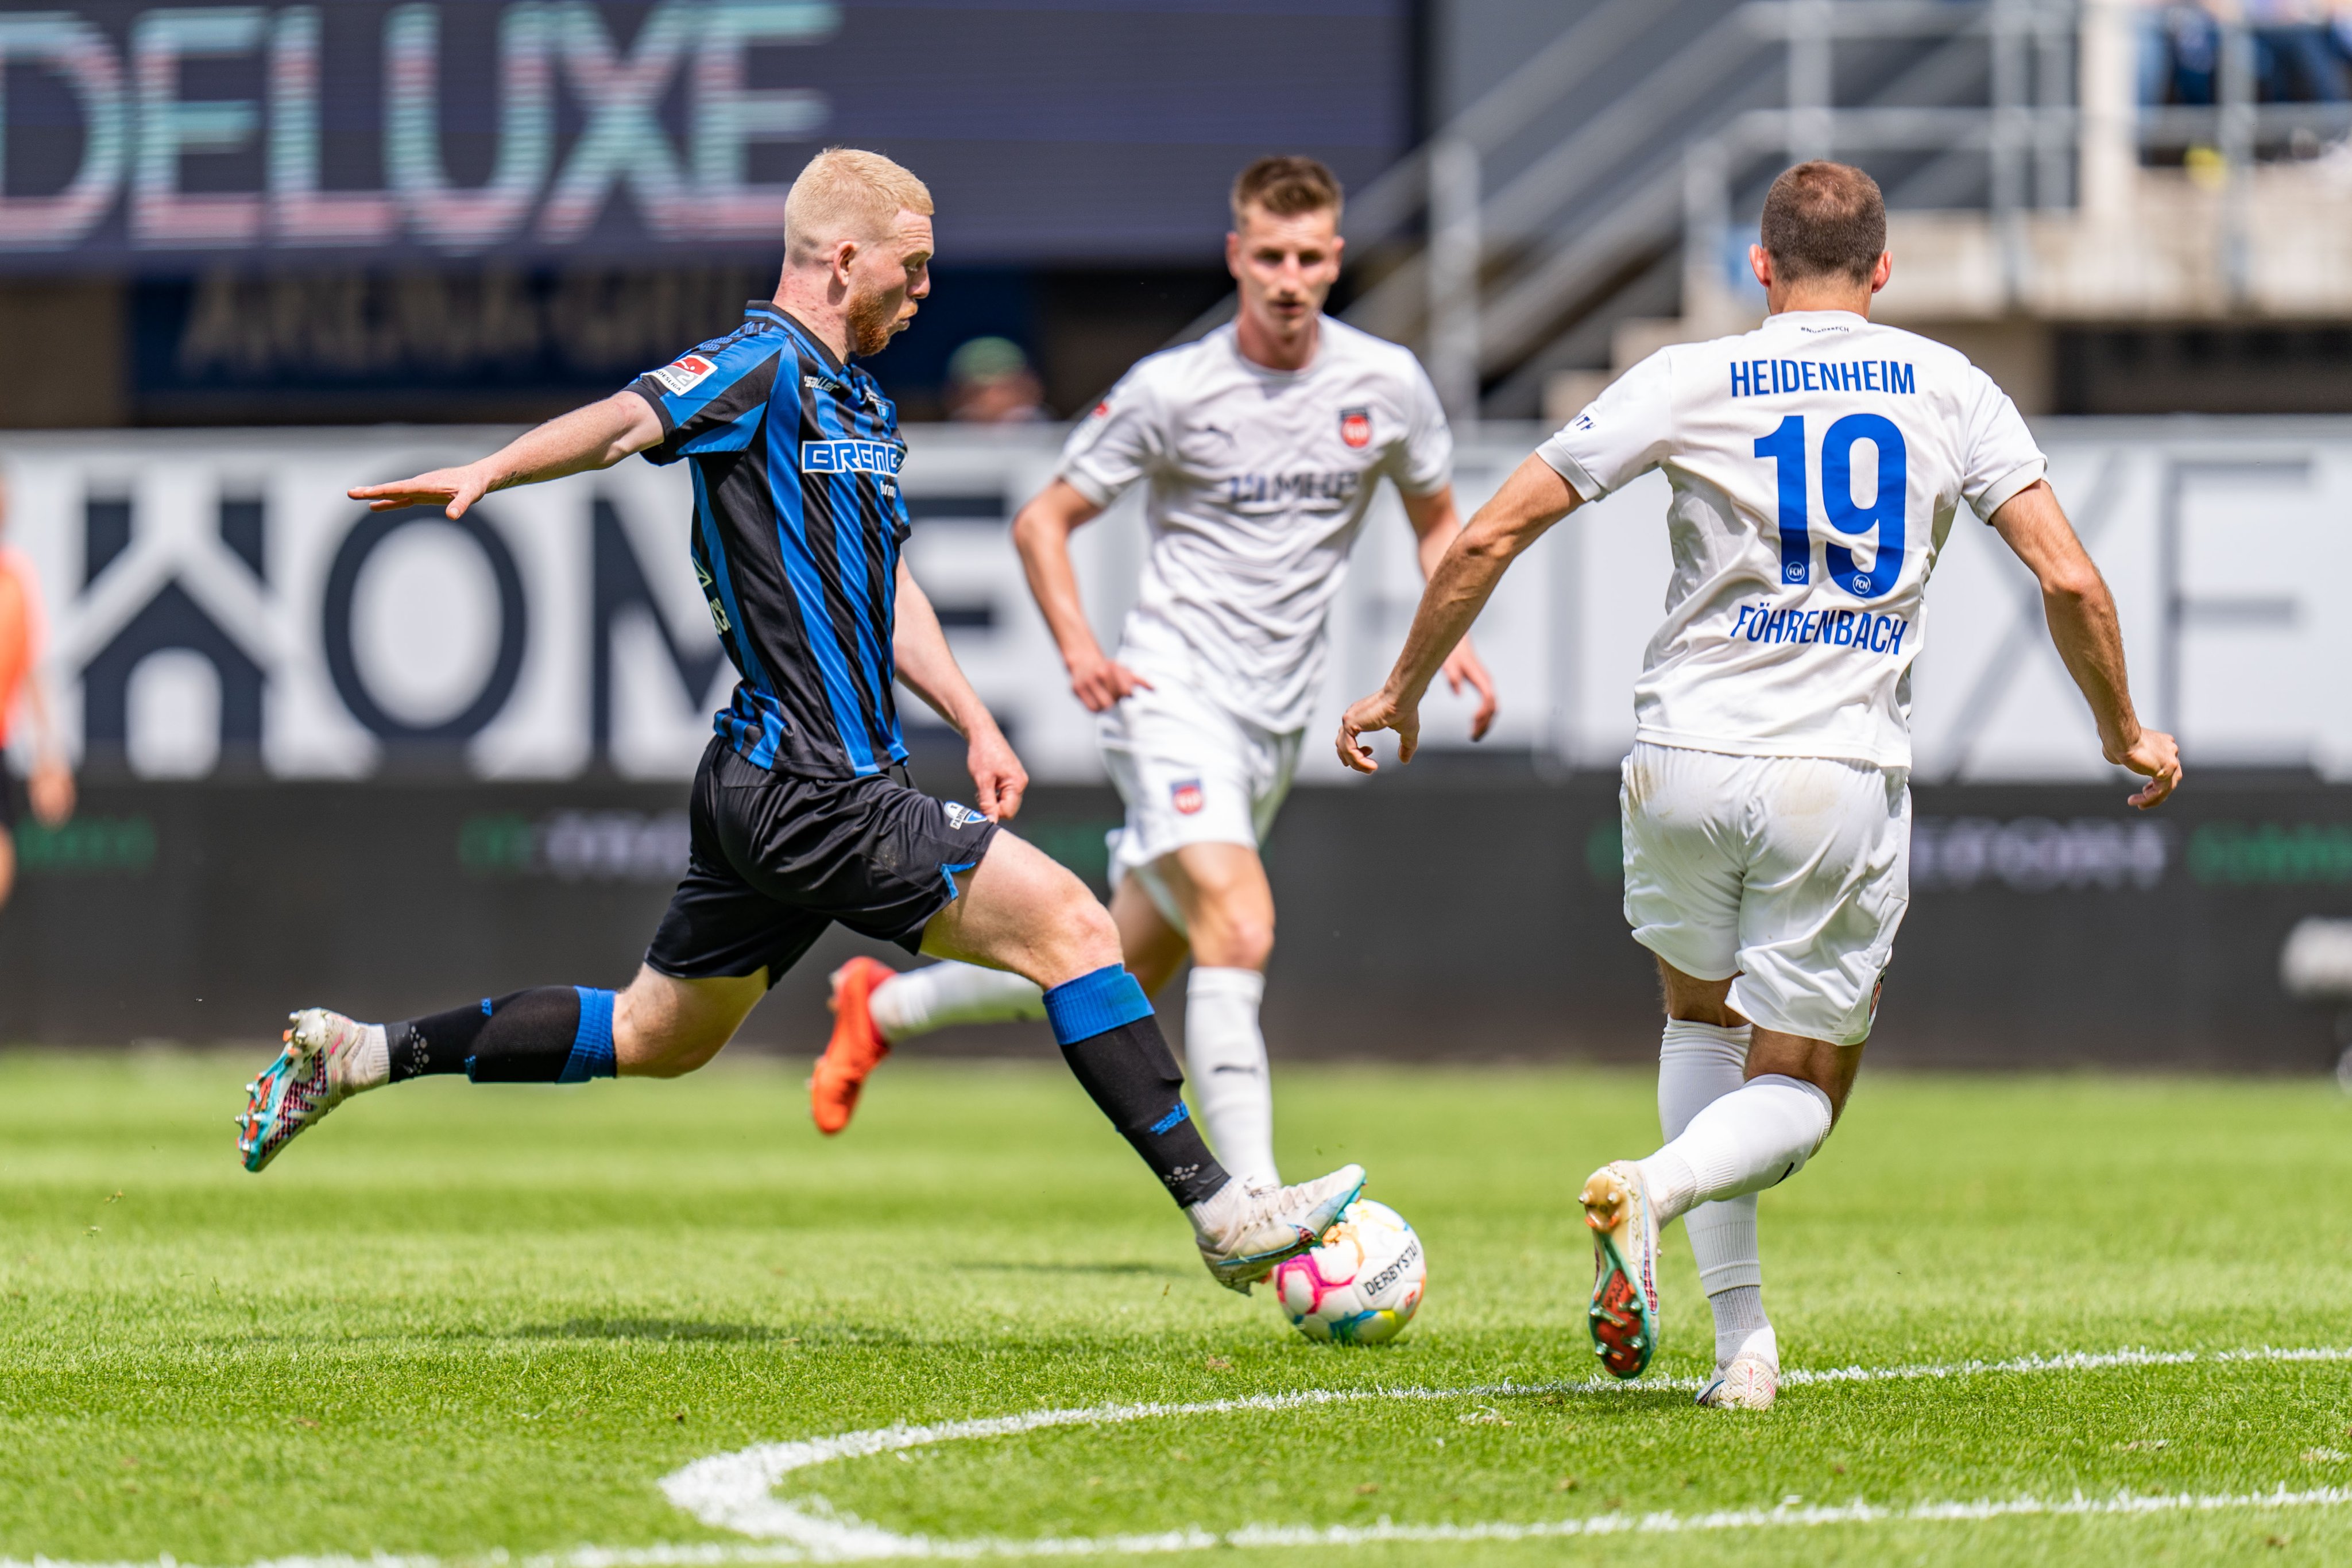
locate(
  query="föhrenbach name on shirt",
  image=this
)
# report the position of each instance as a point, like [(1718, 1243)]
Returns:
[(1857, 629)]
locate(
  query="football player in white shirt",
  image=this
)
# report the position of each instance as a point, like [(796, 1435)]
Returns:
[(1817, 466), (1261, 445)]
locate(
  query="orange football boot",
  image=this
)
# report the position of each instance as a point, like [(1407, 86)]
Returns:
[(856, 1048)]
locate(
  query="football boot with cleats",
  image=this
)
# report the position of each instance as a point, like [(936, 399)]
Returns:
[(1747, 1381), (311, 1077), (856, 1048), (1277, 1223), (1624, 1310)]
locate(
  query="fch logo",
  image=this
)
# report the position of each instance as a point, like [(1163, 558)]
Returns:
[(1356, 427), (1185, 794)]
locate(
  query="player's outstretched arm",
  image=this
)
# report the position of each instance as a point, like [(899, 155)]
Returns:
[(1437, 524), (1531, 500), (2082, 616), (596, 436), (1042, 534), (928, 668)]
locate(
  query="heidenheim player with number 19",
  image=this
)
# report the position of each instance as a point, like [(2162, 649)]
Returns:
[(1260, 446), (1817, 466)]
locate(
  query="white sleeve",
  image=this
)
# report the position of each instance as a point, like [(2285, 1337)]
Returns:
[(1422, 460), (2002, 458), (1118, 444), (1620, 436)]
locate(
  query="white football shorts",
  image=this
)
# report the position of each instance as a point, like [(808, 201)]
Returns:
[(1191, 773), (1787, 875)]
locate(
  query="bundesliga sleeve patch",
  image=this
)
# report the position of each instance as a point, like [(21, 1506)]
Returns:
[(684, 374)]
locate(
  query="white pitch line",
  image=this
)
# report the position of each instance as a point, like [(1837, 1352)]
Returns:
[(2124, 1504), (735, 1492)]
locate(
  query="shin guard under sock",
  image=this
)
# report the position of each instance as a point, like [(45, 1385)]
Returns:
[(551, 1034), (1105, 1026)]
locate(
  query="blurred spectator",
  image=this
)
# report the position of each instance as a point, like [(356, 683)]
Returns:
[(2179, 53), (51, 785), (2296, 56), (2302, 50), (989, 382)]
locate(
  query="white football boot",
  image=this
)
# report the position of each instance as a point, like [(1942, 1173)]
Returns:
[(1624, 1311), (1748, 1381), (311, 1077), (1262, 1228)]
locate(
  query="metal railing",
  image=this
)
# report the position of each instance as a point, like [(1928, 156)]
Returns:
[(1500, 275)]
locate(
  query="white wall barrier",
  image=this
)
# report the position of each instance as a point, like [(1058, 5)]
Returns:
[(216, 601)]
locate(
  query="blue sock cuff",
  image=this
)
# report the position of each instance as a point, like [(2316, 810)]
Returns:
[(591, 1044), (1095, 1004)]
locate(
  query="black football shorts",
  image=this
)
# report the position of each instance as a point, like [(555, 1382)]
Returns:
[(8, 787), (776, 859)]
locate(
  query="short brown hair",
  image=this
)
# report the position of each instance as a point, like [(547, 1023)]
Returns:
[(1286, 186), (1822, 218)]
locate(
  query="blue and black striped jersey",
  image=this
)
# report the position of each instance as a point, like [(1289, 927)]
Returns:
[(798, 524)]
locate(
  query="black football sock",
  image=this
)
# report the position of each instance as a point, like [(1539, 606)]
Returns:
[(1112, 1043), (551, 1034)]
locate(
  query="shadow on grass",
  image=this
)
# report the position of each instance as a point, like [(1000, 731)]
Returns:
[(697, 1331), (1159, 1270), (649, 1328)]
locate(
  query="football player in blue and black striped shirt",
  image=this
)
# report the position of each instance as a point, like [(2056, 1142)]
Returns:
[(804, 813)]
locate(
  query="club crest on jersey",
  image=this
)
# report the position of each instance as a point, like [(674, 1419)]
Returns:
[(960, 815), (1186, 796), (683, 374), (1356, 427)]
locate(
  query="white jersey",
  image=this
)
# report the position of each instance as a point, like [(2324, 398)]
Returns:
[(1817, 464), (1259, 480)]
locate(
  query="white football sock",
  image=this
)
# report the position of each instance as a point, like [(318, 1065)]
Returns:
[(1225, 1057), (369, 1066), (918, 1001), (1740, 1327), (1698, 1064), (1762, 1133), (1218, 1212)]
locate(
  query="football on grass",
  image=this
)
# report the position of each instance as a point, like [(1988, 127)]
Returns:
[(1362, 1285)]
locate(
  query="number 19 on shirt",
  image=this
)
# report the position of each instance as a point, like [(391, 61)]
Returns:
[(1883, 516)]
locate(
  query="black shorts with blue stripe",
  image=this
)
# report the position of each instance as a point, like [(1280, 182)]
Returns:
[(777, 858)]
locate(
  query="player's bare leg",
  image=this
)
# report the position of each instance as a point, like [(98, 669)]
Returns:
[(665, 1027), (1155, 947), (874, 1006), (1227, 905)]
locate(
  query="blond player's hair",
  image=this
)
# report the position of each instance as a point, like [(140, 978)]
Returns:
[(847, 193)]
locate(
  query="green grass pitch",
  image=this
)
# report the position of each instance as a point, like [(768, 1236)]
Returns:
[(458, 1322)]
